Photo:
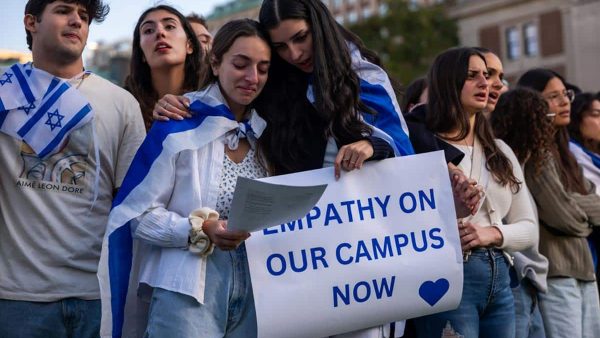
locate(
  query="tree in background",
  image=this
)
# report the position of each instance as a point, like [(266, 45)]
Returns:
[(408, 37)]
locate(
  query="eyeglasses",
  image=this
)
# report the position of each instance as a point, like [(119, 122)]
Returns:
[(557, 98)]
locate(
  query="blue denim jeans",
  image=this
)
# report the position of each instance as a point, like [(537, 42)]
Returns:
[(69, 317), (570, 308), (486, 308), (228, 309), (528, 317)]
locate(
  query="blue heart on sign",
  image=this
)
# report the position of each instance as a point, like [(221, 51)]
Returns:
[(432, 292)]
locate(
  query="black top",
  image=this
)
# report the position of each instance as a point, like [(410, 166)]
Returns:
[(424, 141)]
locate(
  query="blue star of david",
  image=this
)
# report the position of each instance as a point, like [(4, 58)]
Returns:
[(7, 80), (28, 108), (58, 119)]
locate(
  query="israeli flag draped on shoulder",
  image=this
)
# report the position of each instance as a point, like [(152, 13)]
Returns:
[(376, 92), (39, 108), (593, 157), (155, 160)]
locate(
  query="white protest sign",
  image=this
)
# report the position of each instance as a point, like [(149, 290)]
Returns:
[(381, 245)]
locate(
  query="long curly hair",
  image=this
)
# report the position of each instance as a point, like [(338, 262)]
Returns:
[(298, 127), (579, 109), (520, 119), (570, 173), (445, 113), (139, 80)]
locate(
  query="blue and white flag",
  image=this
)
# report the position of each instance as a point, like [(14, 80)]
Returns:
[(377, 93), (39, 108), (593, 157), (153, 162), (20, 86)]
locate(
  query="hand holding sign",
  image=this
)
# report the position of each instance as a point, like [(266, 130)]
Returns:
[(380, 245)]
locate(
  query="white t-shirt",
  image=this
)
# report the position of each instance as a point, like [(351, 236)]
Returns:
[(50, 234)]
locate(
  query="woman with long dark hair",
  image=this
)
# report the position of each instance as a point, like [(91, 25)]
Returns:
[(165, 58), (567, 208), (327, 78), (458, 95), (584, 130), (520, 119)]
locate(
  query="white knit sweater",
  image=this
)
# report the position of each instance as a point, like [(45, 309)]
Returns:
[(515, 209)]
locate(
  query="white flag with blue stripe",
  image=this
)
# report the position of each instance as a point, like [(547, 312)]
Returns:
[(39, 108), (377, 93), (155, 161)]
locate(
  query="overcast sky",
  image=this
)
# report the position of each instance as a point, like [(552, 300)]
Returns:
[(118, 25)]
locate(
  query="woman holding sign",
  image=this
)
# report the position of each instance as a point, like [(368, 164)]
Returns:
[(458, 95), (189, 271)]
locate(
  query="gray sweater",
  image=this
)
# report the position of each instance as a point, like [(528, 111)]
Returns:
[(565, 221)]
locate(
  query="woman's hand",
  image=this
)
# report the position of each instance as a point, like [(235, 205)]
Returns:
[(466, 192), (171, 107), (352, 156), (475, 236), (221, 237)]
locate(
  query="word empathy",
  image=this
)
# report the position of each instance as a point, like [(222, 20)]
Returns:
[(358, 210)]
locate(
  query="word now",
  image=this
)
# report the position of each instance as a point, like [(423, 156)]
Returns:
[(348, 253), (361, 291), (358, 210)]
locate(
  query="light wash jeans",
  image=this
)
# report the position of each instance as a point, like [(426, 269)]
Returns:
[(570, 308), (228, 309), (70, 317), (527, 311), (486, 308)]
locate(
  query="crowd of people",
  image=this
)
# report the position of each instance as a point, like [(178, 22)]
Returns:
[(293, 91)]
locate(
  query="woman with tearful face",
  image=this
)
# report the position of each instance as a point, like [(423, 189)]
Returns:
[(191, 269)]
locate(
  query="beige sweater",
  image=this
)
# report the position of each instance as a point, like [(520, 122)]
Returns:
[(565, 222)]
